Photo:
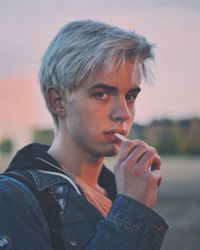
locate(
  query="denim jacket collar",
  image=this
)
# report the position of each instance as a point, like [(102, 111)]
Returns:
[(35, 157), (44, 180)]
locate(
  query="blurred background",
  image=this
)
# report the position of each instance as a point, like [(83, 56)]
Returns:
[(168, 111)]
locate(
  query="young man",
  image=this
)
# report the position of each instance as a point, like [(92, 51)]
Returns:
[(90, 77)]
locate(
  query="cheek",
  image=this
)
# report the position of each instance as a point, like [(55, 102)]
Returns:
[(92, 113), (83, 119)]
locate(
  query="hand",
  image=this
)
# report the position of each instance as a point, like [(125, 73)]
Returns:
[(137, 172)]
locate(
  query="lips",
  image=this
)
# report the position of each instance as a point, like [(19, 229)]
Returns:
[(114, 131), (111, 137)]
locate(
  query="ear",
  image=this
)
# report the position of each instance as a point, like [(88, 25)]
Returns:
[(56, 102)]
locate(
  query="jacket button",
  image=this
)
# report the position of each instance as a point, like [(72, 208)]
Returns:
[(73, 243)]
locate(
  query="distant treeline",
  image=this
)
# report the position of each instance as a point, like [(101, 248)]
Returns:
[(170, 137), (180, 137)]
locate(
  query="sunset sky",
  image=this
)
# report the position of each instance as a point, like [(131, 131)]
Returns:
[(173, 25)]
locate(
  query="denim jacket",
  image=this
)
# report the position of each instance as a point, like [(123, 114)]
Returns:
[(128, 225)]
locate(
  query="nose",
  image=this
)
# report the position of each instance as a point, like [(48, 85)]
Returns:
[(121, 112)]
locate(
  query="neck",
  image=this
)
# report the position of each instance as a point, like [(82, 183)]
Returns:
[(75, 161)]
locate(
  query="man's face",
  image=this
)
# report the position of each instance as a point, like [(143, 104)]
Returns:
[(101, 106)]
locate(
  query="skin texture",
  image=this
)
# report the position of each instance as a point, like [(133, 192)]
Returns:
[(99, 107)]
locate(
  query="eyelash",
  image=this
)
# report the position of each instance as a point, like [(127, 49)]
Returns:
[(101, 95), (131, 98)]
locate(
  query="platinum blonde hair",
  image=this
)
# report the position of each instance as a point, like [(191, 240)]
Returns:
[(83, 47)]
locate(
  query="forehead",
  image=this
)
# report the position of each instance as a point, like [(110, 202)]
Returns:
[(126, 76)]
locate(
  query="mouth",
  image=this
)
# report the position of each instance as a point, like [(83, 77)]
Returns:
[(110, 135)]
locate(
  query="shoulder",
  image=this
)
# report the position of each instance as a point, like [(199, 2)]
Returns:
[(17, 199), (12, 201), (12, 194), (21, 219)]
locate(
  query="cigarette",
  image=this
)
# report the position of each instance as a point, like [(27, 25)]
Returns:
[(121, 137)]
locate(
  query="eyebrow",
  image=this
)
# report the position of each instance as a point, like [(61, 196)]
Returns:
[(112, 89)]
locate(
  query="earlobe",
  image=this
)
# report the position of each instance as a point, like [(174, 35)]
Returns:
[(56, 102)]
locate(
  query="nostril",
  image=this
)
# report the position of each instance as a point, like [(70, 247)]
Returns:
[(121, 116)]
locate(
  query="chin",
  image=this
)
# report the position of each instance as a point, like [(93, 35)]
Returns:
[(111, 152), (105, 150)]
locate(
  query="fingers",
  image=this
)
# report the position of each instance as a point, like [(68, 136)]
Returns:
[(127, 148), (139, 157), (147, 159), (137, 172), (150, 159), (157, 176), (137, 151)]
